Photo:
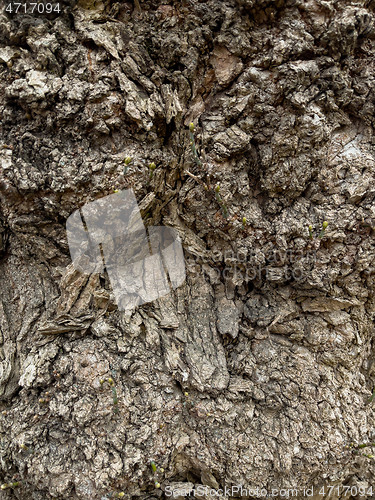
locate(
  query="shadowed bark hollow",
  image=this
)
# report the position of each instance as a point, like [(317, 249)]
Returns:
[(259, 369)]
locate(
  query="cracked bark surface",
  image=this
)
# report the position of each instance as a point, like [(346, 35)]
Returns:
[(258, 370)]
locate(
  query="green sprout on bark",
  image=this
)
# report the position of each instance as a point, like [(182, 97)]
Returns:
[(114, 393), (192, 145), (127, 160), (152, 167), (126, 166), (26, 448), (121, 494), (220, 202), (243, 222), (155, 473), (364, 445), (325, 225), (359, 447), (372, 397), (5, 486), (153, 466), (321, 234)]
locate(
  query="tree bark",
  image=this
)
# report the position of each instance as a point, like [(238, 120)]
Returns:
[(258, 370)]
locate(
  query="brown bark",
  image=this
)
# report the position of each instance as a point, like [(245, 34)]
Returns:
[(258, 370)]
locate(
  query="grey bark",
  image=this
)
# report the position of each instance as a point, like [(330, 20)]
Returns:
[(259, 369)]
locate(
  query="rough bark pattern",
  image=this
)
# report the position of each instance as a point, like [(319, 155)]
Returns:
[(278, 365)]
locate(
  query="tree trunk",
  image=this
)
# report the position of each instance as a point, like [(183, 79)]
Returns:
[(257, 371)]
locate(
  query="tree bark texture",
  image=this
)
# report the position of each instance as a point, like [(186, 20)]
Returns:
[(258, 370)]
